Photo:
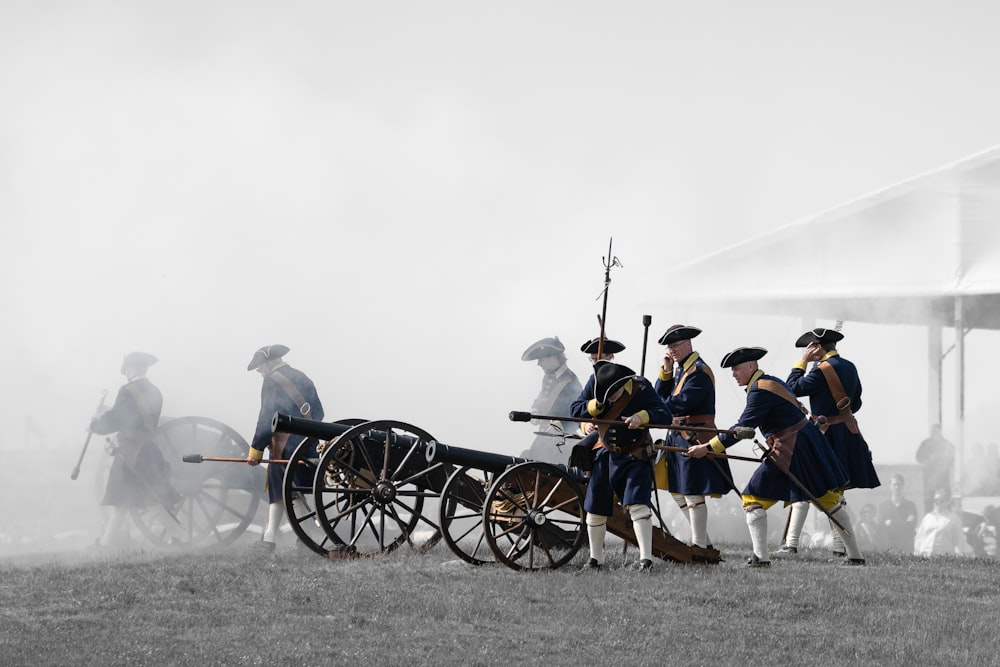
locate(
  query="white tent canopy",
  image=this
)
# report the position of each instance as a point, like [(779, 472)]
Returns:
[(923, 252)]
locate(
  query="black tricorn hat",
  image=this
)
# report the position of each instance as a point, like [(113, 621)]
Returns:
[(609, 377), (679, 332), (141, 359), (266, 353), (819, 335), (610, 346), (741, 354), (545, 347)]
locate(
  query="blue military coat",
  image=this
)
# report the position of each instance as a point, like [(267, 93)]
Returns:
[(810, 457), (851, 448), (691, 393)]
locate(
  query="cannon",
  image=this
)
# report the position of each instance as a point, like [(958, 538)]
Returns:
[(371, 481), (532, 512)]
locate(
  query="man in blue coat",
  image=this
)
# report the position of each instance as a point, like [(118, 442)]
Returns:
[(289, 391), (622, 462), (797, 454), (560, 386), (687, 385), (834, 391), (139, 475)]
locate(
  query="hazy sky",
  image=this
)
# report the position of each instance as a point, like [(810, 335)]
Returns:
[(408, 194)]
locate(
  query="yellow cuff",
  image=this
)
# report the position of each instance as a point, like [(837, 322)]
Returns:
[(800, 364), (592, 408), (665, 374), (716, 445), (256, 454), (643, 416)]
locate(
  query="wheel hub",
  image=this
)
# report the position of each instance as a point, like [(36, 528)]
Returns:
[(384, 492), (536, 518)]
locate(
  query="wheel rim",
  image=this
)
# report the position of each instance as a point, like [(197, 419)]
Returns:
[(534, 517), (297, 495), (370, 486), (217, 501), (462, 501)]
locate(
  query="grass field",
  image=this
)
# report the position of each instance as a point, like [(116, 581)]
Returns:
[(236, 607)]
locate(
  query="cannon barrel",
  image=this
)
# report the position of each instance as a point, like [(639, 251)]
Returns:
[(437, 452), (306, 427), (328, 431)]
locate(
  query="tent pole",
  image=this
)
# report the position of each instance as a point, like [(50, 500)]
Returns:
[(959, 394), (935, 356)]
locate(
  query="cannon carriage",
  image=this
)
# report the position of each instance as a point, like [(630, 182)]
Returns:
[(374, 487)]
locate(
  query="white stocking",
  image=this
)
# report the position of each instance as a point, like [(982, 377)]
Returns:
[(597, 527), (800, 511), (698, 516), (850, 541), (757, 523), (642, 524), (114, 531), (275, 512)]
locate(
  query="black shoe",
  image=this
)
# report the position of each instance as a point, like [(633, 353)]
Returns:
[(644, 565), (786, 550), (755, 562), (591, 566), (853, 562)]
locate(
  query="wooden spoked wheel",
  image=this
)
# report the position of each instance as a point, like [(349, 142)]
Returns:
[(533, 516), (371, 485), (297, 496), (206, 504), (461, 515)]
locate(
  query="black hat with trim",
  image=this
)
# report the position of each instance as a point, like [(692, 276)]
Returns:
[(610, 346), (267, 353), (138, 359), (819, 335), (546, 347), (679, 332), (742, 354), (609, 377)]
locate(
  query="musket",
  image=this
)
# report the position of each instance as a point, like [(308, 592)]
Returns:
[(741, 432), (198, 458), (646, 321), (710, 453), (76, 469), (801, 487)]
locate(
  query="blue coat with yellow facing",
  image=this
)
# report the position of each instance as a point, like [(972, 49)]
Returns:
[(622, 464), (808, 456), (690, 397), (841, 428)]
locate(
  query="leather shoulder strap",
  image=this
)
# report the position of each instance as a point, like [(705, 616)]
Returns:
[(836, 387), (782, 391), (293, 393), (687, 374), (557, 389), (140, 400)]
